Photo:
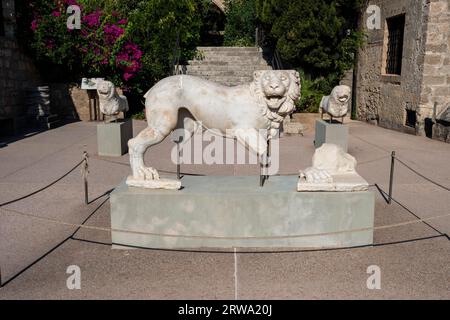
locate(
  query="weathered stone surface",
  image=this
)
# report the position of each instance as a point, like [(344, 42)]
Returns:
[(292, 128), (332, 170), (337, 103), (112, 138), (227, 65), (111, 103), (17, 72), (426, 55), (335, 133), (251, 113), (214, 206)]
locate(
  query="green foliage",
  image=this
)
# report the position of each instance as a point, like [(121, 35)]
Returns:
[(318, 36), (312, 92), (156, 26), (131, 42), (139, 115), (241, 23)]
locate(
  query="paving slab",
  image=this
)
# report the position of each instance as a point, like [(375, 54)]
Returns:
[(410, 269)]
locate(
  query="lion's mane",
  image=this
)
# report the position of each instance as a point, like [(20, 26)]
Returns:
[(276, 117)]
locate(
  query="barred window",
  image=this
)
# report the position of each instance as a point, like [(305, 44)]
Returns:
[(411, 118), (396, 30)]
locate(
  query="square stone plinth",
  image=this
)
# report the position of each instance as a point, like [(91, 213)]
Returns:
[(112, 138), (335, 133), (226, 212)]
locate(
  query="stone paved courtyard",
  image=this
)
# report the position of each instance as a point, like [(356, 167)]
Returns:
[(419, 268)]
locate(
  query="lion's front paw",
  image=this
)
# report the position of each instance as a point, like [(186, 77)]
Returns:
[(146, 173), (314, 175)]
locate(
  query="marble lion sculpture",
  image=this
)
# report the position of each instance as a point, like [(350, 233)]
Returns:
[(111, 103), (336, 104), (234, 112), (332, 170)]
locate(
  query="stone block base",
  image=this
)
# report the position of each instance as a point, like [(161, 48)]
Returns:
[(236, 207), (335, 133), (112, 138)]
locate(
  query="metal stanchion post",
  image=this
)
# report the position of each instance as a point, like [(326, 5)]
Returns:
[(85, 171), (391, 177), (178, 161)]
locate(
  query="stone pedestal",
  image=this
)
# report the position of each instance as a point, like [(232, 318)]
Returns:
[(238, 207), (112, 138), (334, 133)]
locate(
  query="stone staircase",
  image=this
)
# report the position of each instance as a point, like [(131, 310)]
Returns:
[(227, 65)]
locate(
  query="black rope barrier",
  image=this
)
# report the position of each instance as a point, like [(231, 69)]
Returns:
[(2, 284), (385, 195), (422, 176), (43, 188), (260, 251)]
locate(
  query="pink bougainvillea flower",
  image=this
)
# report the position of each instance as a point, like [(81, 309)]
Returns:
[(56, 13), (127, 76), (92, 19), (129, 60), (71, 2), (122, 21), (112, 33), (50, 44), (34, 24)]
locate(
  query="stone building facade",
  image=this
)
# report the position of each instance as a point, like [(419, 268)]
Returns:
[(17, 73), (403, 77)]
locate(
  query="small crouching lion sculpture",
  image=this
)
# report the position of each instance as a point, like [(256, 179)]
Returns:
[(111, 103), (336, 104), (239, 112), (332, 170)]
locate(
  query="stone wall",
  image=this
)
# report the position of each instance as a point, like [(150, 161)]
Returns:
[(436, 79), (383, 99), (17, 73)]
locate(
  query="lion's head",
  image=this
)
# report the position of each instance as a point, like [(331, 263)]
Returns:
[(277, 90), (106, 89), (341, 94)]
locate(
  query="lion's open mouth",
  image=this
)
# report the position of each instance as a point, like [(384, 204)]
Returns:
[(274, 102), (104, 92), (343, 99)]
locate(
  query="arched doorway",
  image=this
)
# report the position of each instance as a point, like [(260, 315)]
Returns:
[(213, 16)]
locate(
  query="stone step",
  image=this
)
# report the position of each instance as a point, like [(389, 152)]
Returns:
[(235, 73), (230, 54), (230, 61), (248, 68), (229, 80), (227, 64), (229, 49)]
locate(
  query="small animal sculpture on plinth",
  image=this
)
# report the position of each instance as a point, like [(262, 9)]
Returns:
[(241, 112), (336, 104), (111, 103), (332, 170)]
